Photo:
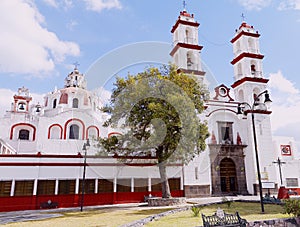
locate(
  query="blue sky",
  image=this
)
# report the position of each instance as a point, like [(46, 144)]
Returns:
[(40, 39)]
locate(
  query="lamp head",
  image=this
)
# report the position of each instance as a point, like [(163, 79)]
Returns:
[(268, 101), (239, 110), (84, 147), (87, 144)]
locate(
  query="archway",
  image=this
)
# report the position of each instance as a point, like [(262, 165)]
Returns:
[(228, 176)]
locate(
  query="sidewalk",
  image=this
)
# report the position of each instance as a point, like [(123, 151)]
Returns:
[(29, 215)]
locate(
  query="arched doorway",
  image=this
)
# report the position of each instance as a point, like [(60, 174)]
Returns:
[(228, 176)]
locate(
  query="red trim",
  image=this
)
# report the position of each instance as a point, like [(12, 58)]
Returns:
[(113, 133), (258, 112), (185, 45), (74, 119), (78, 164), (190, 71), (39, 155), (246, 55), (222, 109), (15, 203), (25, 124), (189, 23), (92, 126), (256, 35), (249, 79), (49, 130)]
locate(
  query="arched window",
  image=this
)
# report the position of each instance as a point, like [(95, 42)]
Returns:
[(239, 69), (74, 132), (24, 134), (75, 103), (64, 98), (54, 103), (190, 60), (251, 45)]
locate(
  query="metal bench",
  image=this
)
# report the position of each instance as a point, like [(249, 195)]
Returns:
[(220, 218)]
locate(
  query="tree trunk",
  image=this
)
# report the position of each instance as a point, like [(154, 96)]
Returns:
[(164, 181)]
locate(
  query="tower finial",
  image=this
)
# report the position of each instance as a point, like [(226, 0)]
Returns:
[(76, 64), (184, 5), (243, 17)]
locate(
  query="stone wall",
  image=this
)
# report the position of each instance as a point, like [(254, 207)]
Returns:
[(166, 201), (194, 191), (287, 222)]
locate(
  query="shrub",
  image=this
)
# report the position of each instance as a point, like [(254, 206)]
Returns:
[(196, 210), (227, 201), (292, 206)]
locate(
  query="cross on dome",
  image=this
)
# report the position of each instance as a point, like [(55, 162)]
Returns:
[(184, 5)]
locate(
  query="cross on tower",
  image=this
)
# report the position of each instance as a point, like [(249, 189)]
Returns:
[(243, 17), (184, 5), (76, 64)]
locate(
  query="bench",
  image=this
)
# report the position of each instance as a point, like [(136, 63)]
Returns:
[(220, 218)]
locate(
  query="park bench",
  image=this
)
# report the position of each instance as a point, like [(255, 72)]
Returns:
[(220, 218)]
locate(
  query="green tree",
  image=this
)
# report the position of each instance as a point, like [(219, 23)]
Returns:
[(158, 110)]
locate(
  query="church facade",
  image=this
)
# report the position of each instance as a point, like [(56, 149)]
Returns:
[(41, 156)]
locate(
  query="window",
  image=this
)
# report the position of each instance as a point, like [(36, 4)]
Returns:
[(66, 187), (141, 185), (54, 103), (155, 184), (46, 187), (75, 103), (24, 134), (174, 184), (74, 132), (291, 182), (105, 185), (225, 132), (89, 186), (5, 187), (124, 185), (23, 188), (64, 98)]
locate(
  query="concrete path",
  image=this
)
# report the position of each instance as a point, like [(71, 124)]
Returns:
[(29, 215)]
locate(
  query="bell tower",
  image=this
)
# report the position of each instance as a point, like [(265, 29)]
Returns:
[(22, 100), (247, 64), (186, 50)]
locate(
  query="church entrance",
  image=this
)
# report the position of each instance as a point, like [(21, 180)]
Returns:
[(228, 176)]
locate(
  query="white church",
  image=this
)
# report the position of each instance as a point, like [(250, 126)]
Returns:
[(41, 144)]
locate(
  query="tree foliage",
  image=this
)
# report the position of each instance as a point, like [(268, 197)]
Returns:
[(158, 112)]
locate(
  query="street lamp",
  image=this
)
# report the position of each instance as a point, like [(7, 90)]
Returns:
[(240, 110), (84, 148)]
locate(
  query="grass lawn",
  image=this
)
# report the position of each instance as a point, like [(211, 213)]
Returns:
[(249, 211), (113, 217), (100, 218)]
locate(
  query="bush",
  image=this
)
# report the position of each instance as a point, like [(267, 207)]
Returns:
[(196, 210), (227, 201), (292, 206)]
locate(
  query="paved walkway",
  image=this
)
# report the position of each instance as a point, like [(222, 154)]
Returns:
[(29, 215)]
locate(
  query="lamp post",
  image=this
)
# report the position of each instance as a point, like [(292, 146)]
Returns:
[(279, 162), (241, 107), (84, 148)]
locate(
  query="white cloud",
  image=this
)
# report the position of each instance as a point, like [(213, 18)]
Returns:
[(52, 3), (25, 45), (279, 82), (255, 4), (286, 105), (99, 5), (289, 4)]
